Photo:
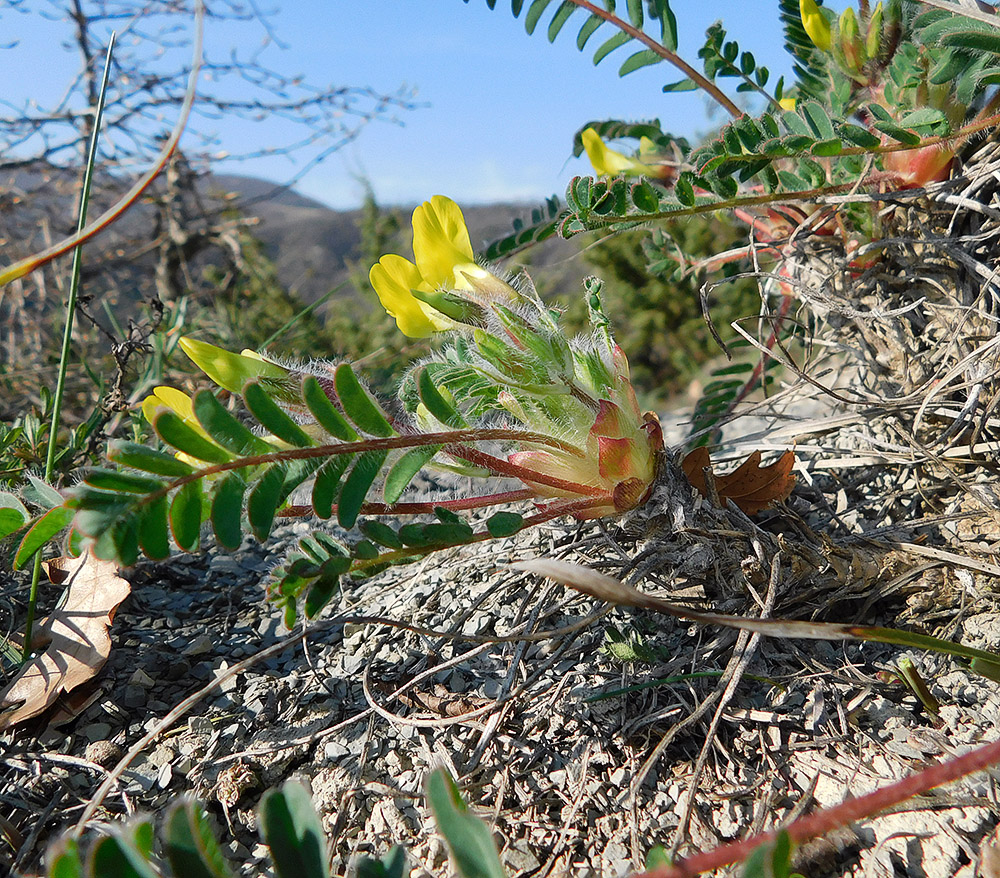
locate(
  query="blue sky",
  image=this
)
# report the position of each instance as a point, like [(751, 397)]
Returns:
[(499, 107)]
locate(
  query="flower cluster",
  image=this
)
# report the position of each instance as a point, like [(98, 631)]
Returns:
[(513, 362)]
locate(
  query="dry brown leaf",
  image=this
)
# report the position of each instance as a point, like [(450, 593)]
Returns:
[(750, 486), (77, 636)]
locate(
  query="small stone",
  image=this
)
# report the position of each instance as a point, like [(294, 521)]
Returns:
[(200, 725), (165, 775), (141, 678), (97, 731), (202, 644), (134, 696), (103, 753)]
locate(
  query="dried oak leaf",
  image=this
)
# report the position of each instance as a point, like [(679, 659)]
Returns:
[(750, 486), (77, 637)]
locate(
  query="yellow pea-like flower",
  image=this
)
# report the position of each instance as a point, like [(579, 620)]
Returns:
[(443, 260), (816, 25), (608, 162)]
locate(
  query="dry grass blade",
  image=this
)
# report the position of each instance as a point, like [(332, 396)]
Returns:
[(78, 643), (607, 588)]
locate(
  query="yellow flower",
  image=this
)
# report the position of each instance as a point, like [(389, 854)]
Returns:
[(815, 24), (608, 162), (179, 403), (229, 370), (787, 103), (444, 260), (175, 400)]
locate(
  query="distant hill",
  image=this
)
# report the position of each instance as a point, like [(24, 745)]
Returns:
[(312, 244)]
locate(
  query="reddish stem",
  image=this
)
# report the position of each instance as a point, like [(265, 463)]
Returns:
[(840, 815), (481, 502)]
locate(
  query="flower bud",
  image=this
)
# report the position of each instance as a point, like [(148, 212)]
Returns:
[(874, 36), (849, 42), (229, 370)]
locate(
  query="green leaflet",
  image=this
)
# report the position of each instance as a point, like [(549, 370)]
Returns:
[(326, 484), (152, 528), (185, 516), (265, 497), (453, 533), (608, 46), (13, 514), (320, 593), (41, 532), (177, 434), (190, 846), (325, 412), (227, 510), (358, 404), (638, 60), (149, 460), (592, 23), (565, 10), (356, 487), (116, 855), (292, 831), (225, 428), (63, 859), (535, 12), (470, 842), (273, 418), (436, 403), (41, 493), (381, 533), (504, 524), (404, 469), (392, 865), (116, 480)]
